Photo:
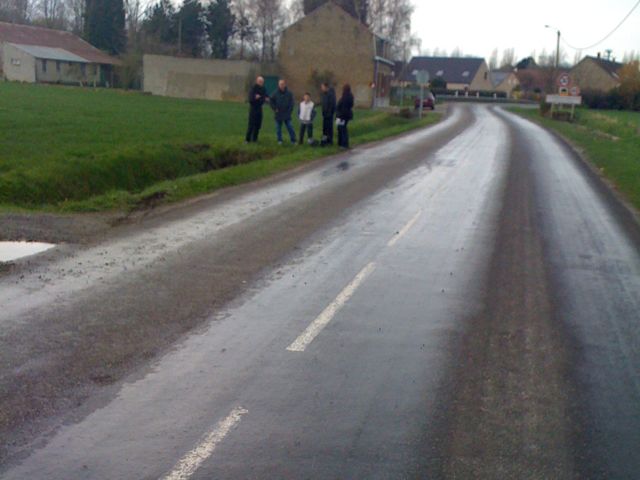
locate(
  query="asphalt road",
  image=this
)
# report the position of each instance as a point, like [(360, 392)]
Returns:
[(459, 302)]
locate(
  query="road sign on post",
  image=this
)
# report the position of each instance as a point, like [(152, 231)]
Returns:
[(422, 77)]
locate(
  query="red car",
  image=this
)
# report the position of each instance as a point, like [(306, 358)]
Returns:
[(428, 102)]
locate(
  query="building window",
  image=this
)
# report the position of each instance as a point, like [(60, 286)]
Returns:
[(466, 74), (95, 70), (44, 66), (58, 66), (486, 74), (439, 73), (15, 62), (83, 69)]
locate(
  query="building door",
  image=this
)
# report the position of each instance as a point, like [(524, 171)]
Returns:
[(271, 83)]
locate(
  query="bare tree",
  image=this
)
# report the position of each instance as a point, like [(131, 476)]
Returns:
[(493, 60), (577, 57), (133, 17), (391, 20), (50, 13), (508, 58), (437, 52), (270, 18), (75, 15), (296, 10), (246, 34), (16, 11), (456, 52)]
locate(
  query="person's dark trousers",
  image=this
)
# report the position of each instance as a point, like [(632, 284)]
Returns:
[(308, 128), (343, 135), (327, 130), (287, 123), (255, 124)]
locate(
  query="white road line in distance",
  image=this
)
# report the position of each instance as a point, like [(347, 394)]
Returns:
[(404, 230), (322, 320), (188, 464)]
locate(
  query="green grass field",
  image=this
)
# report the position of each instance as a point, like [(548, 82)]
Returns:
[(71, 149), (611, 141)]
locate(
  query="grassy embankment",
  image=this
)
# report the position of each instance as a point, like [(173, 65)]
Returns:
[(72, 150), (610, 140)]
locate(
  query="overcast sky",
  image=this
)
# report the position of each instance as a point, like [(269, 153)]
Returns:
[(478, 27)]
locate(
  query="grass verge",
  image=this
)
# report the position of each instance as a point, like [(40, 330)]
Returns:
[(78, 150), (610, 141)]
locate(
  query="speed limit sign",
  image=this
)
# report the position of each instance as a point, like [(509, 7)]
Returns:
[(564, 80)]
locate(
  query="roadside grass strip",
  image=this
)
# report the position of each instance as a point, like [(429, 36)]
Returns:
[(190, 463), (89, 150), (609, 139), (313, 330)]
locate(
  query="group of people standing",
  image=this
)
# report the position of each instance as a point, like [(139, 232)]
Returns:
[(338, 112)]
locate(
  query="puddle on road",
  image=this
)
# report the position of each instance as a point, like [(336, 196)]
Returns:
[(14, 250)]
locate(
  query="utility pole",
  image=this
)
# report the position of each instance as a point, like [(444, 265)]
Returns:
[(557, 45), (558, 51)]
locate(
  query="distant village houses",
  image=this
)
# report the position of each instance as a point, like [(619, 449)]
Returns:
[(42, 55), (596, 74), (504, 81), (459, 73)]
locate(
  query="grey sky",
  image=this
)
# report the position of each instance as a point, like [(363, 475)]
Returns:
[(479, 27)]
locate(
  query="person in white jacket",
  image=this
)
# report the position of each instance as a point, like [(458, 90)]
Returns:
[(306, 115)]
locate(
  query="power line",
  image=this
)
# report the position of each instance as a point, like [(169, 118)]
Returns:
[(608, 35)]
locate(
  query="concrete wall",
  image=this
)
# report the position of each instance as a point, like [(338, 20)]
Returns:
[(17, 65), (328, 39), (197, 78), (588, 75)]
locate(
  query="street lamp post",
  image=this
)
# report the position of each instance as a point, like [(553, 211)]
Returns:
[(557, 45)]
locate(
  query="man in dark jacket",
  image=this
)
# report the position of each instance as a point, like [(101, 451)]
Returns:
[(328, 113), (282, 104), (257, 97)]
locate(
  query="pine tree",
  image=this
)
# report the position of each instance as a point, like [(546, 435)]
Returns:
[(221, 27), (104, 25)]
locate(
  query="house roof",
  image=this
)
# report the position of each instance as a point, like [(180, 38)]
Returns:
[(48, 53), (608, 66), (498, 77), (451, 69), (26, 35)]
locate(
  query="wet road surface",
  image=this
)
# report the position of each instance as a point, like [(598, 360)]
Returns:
[(461, 302)]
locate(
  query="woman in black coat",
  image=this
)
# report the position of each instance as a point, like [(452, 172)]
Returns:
[(344, 114)]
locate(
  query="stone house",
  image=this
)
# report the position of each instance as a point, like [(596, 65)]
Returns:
[(42, 55), (329, 43), (504, 81), (595, 73), (460, 73)]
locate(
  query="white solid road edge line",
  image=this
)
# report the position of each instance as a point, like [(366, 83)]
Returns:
[(404, 230), (188, 465), (322, 320)]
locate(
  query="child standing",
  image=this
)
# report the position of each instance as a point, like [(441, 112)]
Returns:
[(306, 114)]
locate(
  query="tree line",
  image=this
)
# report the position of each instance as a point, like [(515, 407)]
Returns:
[(202, 28)]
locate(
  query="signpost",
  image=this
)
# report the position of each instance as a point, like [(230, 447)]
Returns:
[(568, 94), (422, 77)]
